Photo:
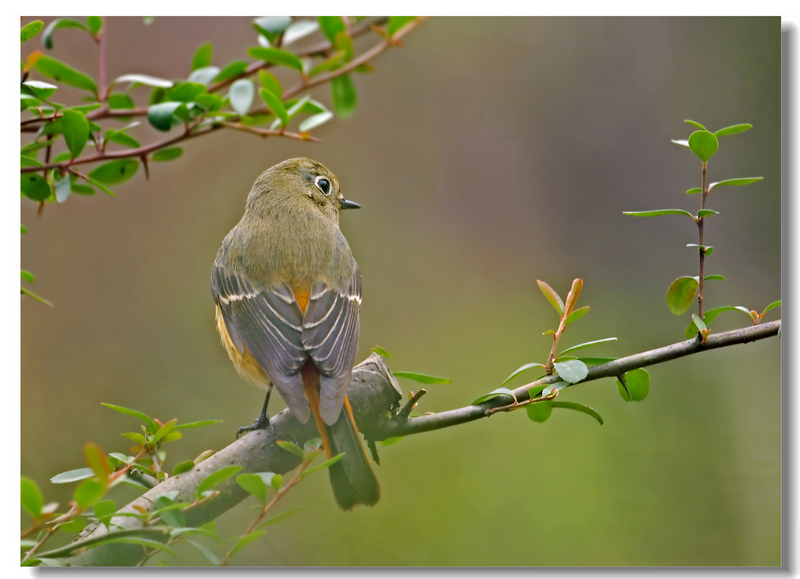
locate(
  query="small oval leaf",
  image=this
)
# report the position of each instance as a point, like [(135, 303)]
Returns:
[(681, 294), (703, 144)]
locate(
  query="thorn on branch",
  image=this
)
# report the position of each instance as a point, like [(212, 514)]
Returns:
[(405, 411)]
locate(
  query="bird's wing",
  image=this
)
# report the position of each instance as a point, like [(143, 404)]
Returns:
[(330, 336), (269, 323)]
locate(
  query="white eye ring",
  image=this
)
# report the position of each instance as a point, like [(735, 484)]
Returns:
[(323, 184)]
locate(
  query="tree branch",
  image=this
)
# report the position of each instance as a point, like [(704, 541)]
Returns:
[(615, 368), (373, 393), (375, 396)]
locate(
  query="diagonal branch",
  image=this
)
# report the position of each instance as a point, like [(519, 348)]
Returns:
[(615, 368), (374, 394)]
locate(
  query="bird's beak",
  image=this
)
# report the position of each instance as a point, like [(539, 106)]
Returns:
[(345, 204)]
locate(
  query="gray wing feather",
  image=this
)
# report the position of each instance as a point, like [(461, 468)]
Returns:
[(269, 323), (330, 336)]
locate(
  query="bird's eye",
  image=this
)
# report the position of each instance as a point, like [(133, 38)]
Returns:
[(323, 185)]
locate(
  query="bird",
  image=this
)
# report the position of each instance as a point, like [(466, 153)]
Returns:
[(287, 291)]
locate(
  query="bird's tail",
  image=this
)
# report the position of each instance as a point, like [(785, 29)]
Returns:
[(353, 481)]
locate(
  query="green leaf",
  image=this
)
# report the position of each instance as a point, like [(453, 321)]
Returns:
[(245, 540), (278, 518), (423, 378), (197, 424), (216, 478), (571, 371), (694, 191), (95, 23), (72, 476), (714, 276), (735, 182), (297, 106), (681, 294), (332, 63), (186, 92), (733, 129), (47, 37), (76, 131), (576, 314), (104, 510), (520, 370), (552, 296), (595, 360), (586, 345), (184, 466), (205, 552), (344, 96), (772, 306), (326, 464), (30, 294), (73, 526), (381, 352), (579, 407), (27, 276), (143, 79), (277, 481), (271, 27), (97, 461), (695, 124), (115, 172), (170, 512), (397, 22), (62, 187), (40, 89), (202, 56), (707, 212), (254, 484), (241, 96), (167, 154), (30, 30), (231, 70), (299, 29), (118, 100), (35, 187), (703, 144), (270, 82), (275, 105), (291, 447), (709, 249), (32, 498), (151, 425), (657, 212), (82, 189), (698, 323), (494, 394), (638, 382), (89, 492), (276, 56), (26, 161), (122, 139), (60, 72), (164, 115), (150, 543), (539, 411), (330, 26)]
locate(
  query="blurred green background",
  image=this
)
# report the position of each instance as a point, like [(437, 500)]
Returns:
[(486, 153)]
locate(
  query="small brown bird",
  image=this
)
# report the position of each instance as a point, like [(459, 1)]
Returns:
[(288, 295)]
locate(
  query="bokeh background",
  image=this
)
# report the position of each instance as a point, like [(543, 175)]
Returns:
[(486, 153)]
